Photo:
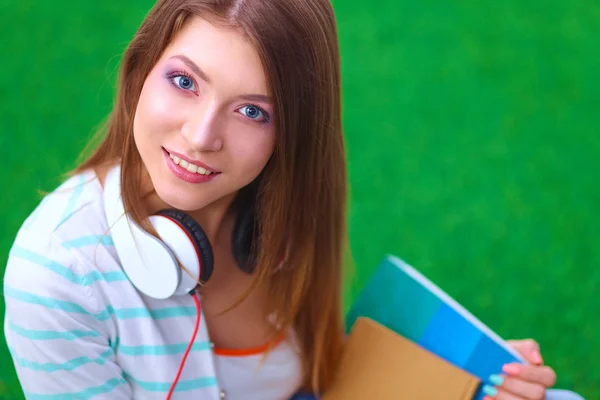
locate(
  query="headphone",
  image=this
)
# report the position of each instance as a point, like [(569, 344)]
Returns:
[(153, 265)]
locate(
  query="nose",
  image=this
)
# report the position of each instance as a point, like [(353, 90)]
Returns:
[(201, 130)]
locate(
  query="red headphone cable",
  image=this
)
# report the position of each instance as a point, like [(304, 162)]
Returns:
[(187, 351)]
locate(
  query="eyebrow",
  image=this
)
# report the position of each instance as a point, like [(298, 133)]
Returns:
[(257, 97), (198, 71), (192, 65)]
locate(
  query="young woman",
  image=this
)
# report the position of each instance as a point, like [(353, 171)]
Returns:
[(197, 253)]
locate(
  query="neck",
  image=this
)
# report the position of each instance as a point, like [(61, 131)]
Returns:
[(213, 218)]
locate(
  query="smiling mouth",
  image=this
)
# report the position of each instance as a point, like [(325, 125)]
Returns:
[(188, 166)]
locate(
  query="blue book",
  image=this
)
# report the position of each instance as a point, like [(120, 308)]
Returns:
[(403, 300)]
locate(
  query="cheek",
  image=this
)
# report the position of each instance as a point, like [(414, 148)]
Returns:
[(156, 109), (255, 152)]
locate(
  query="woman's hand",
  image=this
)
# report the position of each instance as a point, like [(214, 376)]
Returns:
[(522, 381)]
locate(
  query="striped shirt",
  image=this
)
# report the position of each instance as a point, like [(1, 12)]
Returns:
[(78, 329)]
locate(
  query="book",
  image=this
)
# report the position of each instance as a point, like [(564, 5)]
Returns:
[(377, 363), (403, 300)]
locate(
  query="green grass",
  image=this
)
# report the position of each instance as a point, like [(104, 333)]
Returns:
[(472, 134)]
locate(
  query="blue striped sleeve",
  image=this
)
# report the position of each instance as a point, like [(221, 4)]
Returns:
[(59, 346)]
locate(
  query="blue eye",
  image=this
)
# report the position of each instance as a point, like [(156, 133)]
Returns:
[(184, 82), (255, 113)]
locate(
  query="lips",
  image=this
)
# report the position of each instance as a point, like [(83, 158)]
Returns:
[(190, 173), (184, 161), (190, 167)]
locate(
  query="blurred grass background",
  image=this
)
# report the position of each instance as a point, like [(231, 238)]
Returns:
[(473, 144)]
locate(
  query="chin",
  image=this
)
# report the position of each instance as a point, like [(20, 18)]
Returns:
[(187, 205), (183, 201)]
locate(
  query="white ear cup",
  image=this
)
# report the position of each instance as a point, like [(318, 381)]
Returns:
[(149, 263), (182, 247)]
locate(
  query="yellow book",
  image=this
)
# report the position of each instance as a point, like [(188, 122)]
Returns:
[(379, 364)]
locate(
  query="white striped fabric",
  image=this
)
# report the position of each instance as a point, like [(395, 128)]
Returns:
[(78, 329)]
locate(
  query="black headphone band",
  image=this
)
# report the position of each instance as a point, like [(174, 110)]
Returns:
[(242, 239)]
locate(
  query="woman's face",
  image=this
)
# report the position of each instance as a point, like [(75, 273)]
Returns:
[(203, 125)]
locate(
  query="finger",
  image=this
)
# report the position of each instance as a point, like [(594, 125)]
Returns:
[(498, 394), (543, 375), (518, 387), (501, 394), (529, 349)]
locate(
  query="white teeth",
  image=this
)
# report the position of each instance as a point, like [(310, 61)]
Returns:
[(190, 167)]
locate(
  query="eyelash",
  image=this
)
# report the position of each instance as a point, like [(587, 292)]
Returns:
[(174, 74)]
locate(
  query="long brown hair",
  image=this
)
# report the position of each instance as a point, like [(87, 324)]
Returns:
[(301, 194)]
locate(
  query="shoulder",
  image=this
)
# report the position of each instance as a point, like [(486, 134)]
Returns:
[(70, 217), (63, 210), (60, 252)]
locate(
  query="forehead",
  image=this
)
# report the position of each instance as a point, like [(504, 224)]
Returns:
[(223, 53)]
